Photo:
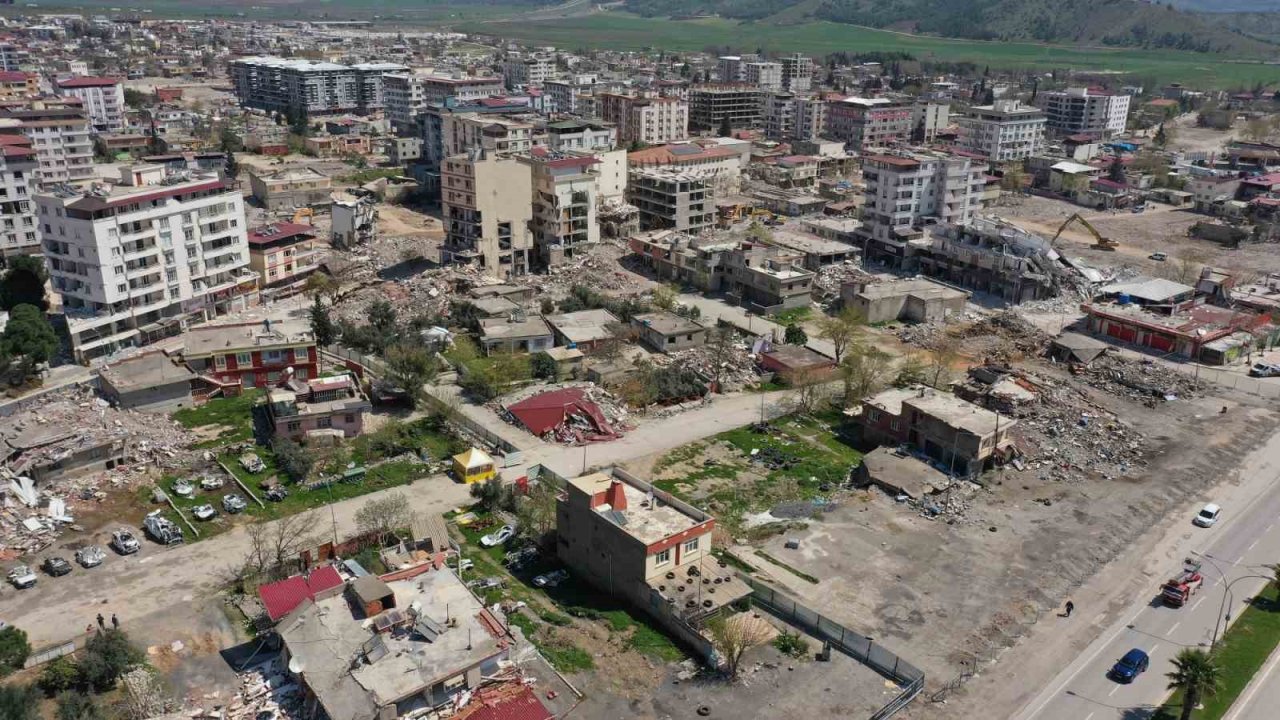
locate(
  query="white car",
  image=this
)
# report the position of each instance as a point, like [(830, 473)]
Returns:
[(211, 482), (22, 577), (1208, 515), (182, 488), (204, 512), (503, 534), (91, 556)]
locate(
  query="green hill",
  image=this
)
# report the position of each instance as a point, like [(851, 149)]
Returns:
[(1115, 23)]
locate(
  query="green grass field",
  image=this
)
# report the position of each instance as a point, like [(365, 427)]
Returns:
[(629, 32)]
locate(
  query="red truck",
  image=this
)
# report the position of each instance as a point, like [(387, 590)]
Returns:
[(1179, 588)]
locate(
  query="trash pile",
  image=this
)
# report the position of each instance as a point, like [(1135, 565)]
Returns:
[(573, 414), (952, 505), (1141, 380), (266, 691)]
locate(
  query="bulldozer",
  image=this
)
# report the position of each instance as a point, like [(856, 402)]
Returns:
[(305, 212), (1099, 242)]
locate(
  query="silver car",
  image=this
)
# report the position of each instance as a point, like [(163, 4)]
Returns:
[(233, 503), (91, 556)]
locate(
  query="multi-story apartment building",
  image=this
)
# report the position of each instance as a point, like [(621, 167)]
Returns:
[(18, 232), (252, 354), (407, 95), (328, 405), (565, 193), (570, 95), (464, 132), (102, 99), (721, 165), (60, 134), (431, 123), (648, 120), (711, 105), (733, 68), (927, 119), (797, 73), (904, 189), (303, 87), (580, 135), (15, 84), (671, 199), (810, 118), (487, 212), (869, 122), (1085, 111), (524, 70), (764, 75), (133, 262), (283, 255), (779, 115), (1004, 132), (10, 57), (766, 279)]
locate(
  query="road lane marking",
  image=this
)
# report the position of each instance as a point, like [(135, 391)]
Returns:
[(1089, 716), (1087, 661), (1175, 627), (1153, 650), (1193, 607), (1113, 691)]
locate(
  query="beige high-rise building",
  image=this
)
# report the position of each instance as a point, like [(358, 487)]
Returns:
[(649, 120), (487, 213), (565, 192)]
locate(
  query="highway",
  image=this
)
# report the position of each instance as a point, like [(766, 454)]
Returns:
[(1236, 552)]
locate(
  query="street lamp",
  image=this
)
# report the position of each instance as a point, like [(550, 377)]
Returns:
[(1217, 622)]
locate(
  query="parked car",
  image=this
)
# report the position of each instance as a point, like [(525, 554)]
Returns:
[(1128, 668), (1264, 370), (162, 529), (57, 566), (123, 542), (91, 556), (500, 536), (22, 577), (465, 564), (212, 482), (204, 512), (252, 463), (234, 503), (1158, 256), (1207, 516), (519, 558), (551, 579), (182, 488), (485, 583), (276, 493), (1138, 208)]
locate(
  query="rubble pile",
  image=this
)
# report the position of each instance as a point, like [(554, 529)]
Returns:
[(733, 365), (952, 505), (1142, 380), (266, 690), (1065, 437), (1007, 335), (596, 270), (567, 413), (828, 280)]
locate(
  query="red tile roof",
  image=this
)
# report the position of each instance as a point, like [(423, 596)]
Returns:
[(518, 704), (260, 235), (11, 76), (84, 82), (283, 597)]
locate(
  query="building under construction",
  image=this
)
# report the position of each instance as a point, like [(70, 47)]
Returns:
[(992, 256)]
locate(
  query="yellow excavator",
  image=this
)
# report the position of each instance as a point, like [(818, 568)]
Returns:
[(1099, 242), (307, 213)]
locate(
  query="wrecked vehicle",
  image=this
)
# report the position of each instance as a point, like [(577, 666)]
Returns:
[(124, 542), (234, 503), (502, 535), (91, 556), (212, 482), (276, 493), (21, 577), (57, 566), (162, 529), (551, 579), (252, 463), (183, 489), (204, 512)]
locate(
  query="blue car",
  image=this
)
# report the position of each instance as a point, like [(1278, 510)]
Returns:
[(1133, 664)]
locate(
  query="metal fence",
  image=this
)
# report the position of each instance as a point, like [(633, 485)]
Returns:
[(44, 655), (855, 645)]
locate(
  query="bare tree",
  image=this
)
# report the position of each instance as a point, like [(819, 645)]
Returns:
[(276, 543), (384, 516), (537, 510), (734, 636), (943, 352), (841, 330), (864, 370), (721, 339), (809, 390)]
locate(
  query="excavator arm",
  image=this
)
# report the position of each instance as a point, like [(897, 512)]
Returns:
[(1099, 242)]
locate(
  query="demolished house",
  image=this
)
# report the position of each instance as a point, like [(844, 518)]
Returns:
[(567, 416), (64, 438), (995, 257)]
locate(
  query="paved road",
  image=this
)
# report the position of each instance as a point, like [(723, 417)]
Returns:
[(1261, 699), (1237, 551)]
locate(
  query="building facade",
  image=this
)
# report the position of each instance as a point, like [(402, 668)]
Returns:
[(60, 133), (906, 188), (295, 87), (328, 405), (133, 263), (252, 354), (869, 122), (19, 234), (1083, 111), (102, 99), (738, 103), (487, 213), (564, 206), (797, 73), (407, 95), (1007, 131), (647, 120), (283, 255), (670, 199)]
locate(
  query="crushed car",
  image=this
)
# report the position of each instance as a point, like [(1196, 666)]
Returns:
[(252, 463), (234, 503), (21, 577), (184, 489), (123, 542), (162, 529), (212, 482), (91, 556), (551, 579), (204, 512), (56, 566), (499, 537)]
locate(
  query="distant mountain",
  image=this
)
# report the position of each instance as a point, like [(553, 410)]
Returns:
[(1121, 23)]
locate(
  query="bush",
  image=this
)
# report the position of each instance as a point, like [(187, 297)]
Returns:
[(76, 705), (14, 650), (791, 644), (293, 459), (795, 335), (59, 675), (19, 702), (544, 366), (107, 656)]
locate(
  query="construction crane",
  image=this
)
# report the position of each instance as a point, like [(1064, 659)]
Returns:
[(1099, 242)]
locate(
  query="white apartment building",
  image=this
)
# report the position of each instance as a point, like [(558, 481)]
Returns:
[(406, 95), (765, 75), (810, 118), (904, 189), (1007, 131), (10, 57), (649, 120), (566, 135), (797, 73), (487, 212), (570, 95), (60, 134), (565, 193), (135, 261), (293, 86), (102, 98), (18, 232), (779, 115), (732, 68), (522, 71), (463, 132), (1082, 111)]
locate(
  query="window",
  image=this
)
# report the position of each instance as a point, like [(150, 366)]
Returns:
[(324, 422), (293, 426), (350, 419), (691, 545), (220, 362), (244, 358), (663, 557)]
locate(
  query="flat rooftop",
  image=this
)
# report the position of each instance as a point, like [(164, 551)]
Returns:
[(645, 520), (585, 325), (918, 287), (501, 328), (810, 244), (208, 339), (354, 670), (668, 323), (960, 413), (145, 371)]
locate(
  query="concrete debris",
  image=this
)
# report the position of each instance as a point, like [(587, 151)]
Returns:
[(145, 695), (569, 413), (828, 280), (1142, 380), (266, 690), (734, 366)]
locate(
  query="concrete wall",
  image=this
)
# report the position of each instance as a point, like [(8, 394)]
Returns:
[(158, 398)]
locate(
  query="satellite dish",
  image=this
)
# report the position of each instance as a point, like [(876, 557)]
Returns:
[(295, 665)]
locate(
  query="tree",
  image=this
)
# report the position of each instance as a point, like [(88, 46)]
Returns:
[(322, 326), (23, 283), (77, 705), (544, 367), (409, 367), (1257, 130), (841, 330), (29, 334), (292, 459), (382, 318), (14, 649), (943, 352), (276, 544), (323, 284), (734, 636), (1196, 673), (19, 702), (795, 335), (492, 495), (664, 296), (864, 370), (1161, 138), (808, 390), (536, 511), (382, 517), (1115, 172), (108, 655), (58, 675)]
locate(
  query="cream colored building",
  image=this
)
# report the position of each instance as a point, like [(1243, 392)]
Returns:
[(487, 213)]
